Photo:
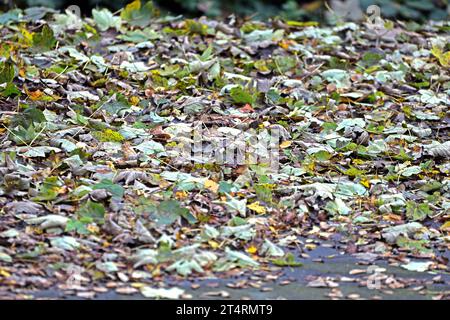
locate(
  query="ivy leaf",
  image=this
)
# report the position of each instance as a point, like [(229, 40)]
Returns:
[(337, 207), (185, 267), (28, 117)]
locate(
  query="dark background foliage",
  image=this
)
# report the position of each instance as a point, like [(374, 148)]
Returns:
[(417, 10)]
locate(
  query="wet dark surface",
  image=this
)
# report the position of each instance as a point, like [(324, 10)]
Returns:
[(293, 284)]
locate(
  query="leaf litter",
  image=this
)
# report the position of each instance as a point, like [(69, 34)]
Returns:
[(93, 117)]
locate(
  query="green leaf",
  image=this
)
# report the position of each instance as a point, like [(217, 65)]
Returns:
[(150, 147), (10, 90), (40, 151), (78, 226), (137, 15), (49, 189), (168, 211), (105, 19), (418, 212), (240, 258), (241, 96), (287, 261), (28, 117), (226, 187), (116, 190), (93, 210), (65, 243), (337, 207), (371, 58), (271, 250), (139, 36), (416, 246), (44, 40), (6, 72), (337, 76), (5, 257)]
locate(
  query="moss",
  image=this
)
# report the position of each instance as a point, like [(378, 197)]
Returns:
[(109, 135)]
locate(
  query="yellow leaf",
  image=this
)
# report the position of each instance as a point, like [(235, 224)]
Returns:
[(213, 244), (134, 100), (252, 249), (156, 272), (27, 37), (164, 184), (445, 226), (35, 95), (443, 57), (302, 23), (4, 273), (255, 206), (358, 161), (285, 144), (284, 44), (180, 195), (365, 183), (93, 228), (133, 6), (212, 185)]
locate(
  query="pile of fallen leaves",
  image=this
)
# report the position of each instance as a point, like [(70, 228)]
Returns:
[(93, 190)]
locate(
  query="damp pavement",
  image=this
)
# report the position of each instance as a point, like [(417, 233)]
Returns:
[(342, 274)]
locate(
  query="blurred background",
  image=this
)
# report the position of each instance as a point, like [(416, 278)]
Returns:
[(301, 10)]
